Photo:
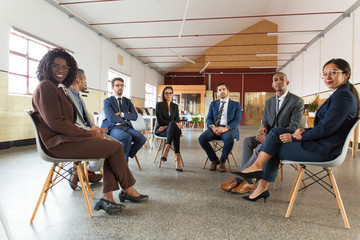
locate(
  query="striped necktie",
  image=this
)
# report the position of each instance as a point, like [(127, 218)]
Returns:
[(277, 105), (217, 122)]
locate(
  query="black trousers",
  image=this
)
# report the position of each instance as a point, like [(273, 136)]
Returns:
[(172, 133)]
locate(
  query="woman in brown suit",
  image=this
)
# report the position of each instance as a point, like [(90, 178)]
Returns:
[(55, 118)]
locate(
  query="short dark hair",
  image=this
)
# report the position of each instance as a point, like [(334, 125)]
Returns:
[(281, 73), (116, 79), (227, 87), (44, 69), (80, 73)]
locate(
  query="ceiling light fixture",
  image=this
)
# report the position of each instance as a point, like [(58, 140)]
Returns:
[(184, 18), (205, 67), (180, 56)]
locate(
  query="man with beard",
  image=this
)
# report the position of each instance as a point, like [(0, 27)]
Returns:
[(82, 120), (223, 120), (283, 110), (119, 110)]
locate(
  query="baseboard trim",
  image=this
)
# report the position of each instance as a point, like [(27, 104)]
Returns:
[(17, 143)]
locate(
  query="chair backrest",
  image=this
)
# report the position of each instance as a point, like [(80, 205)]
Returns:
[(147, 111), (139, 124), (96, 118), (39, 145), (337, 161)]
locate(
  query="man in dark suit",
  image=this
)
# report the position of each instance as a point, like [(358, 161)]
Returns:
[(223, 120), (82, 120), (118, 112), (283, 110)]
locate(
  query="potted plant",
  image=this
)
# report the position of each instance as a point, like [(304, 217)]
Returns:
[(312, 107)]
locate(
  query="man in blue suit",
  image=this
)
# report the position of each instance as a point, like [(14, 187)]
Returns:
[(118, 112), (223, 120)]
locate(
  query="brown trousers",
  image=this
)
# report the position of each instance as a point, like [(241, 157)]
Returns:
[(115, 167)]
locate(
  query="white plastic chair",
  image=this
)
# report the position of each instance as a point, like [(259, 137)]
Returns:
[(58, 162), (5, 225), (319, 179)]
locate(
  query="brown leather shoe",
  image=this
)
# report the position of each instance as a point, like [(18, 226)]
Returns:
[(73, 178), (214, 164), (222, 167), (94, 177), (227, 186), (243, 187)]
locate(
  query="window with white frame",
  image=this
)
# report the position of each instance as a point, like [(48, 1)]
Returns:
[(25, 55), (150, 96), (113, 74)]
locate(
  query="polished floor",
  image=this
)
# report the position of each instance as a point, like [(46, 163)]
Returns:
[(187, 205)]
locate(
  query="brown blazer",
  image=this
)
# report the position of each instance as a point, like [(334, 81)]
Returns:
[(55, 116)]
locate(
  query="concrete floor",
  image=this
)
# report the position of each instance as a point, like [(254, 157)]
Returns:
[(187, 205)]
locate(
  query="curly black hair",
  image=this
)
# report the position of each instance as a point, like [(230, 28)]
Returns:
[(44, 68)]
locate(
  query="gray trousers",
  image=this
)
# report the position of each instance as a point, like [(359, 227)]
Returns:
[(250, 152)]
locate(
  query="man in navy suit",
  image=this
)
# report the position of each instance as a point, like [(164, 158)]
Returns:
[(223, 120), (118, 112)]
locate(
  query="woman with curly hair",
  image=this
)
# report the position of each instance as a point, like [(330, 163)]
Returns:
[(55, 118)]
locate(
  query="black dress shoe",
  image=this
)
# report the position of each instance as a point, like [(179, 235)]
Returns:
[(110, 208), (164, 159), (123, 196), (257, 174)]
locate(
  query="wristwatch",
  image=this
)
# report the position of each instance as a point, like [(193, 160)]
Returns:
[(121, 114)]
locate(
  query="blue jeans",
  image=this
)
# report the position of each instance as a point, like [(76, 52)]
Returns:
[(126, 136), (208, 135), (293, 151)]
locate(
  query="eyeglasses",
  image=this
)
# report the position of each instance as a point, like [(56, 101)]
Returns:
[(57, 67), (332, 73), (167, 93), (119, 85)]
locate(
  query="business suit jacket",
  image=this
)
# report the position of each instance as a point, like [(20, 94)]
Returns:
[(111, 106), (83, 121), (163, 117), (332, 123), (289, 115), (233, 116), (55, 116)]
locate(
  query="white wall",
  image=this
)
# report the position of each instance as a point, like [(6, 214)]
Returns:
[(341, 42), (93, 53)]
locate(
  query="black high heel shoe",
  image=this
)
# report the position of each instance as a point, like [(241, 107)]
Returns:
[(257, 174), (263, 195), (164, 159), (178, 169)]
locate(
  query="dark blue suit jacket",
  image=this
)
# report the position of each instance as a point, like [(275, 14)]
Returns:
[(332, 123), (233, 116), (111, 107)]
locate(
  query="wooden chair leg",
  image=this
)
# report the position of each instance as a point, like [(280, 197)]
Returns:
[(338, 199), (232, 154), (182, 161), (281, 171), (101, 170), (157, 152), (57, 174), (228, 160), (295, 192), (297, 168), (276, 181), (87, 185), (162, 151), (46, 185), (86, 171), (207, 158), (293, 186), (137, 161), (81, 178)]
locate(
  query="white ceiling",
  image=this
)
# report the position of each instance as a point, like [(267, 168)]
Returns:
[(161, 20)]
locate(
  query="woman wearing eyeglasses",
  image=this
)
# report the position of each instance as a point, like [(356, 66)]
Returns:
[(167, 115), (321, 143), (55, 118)]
